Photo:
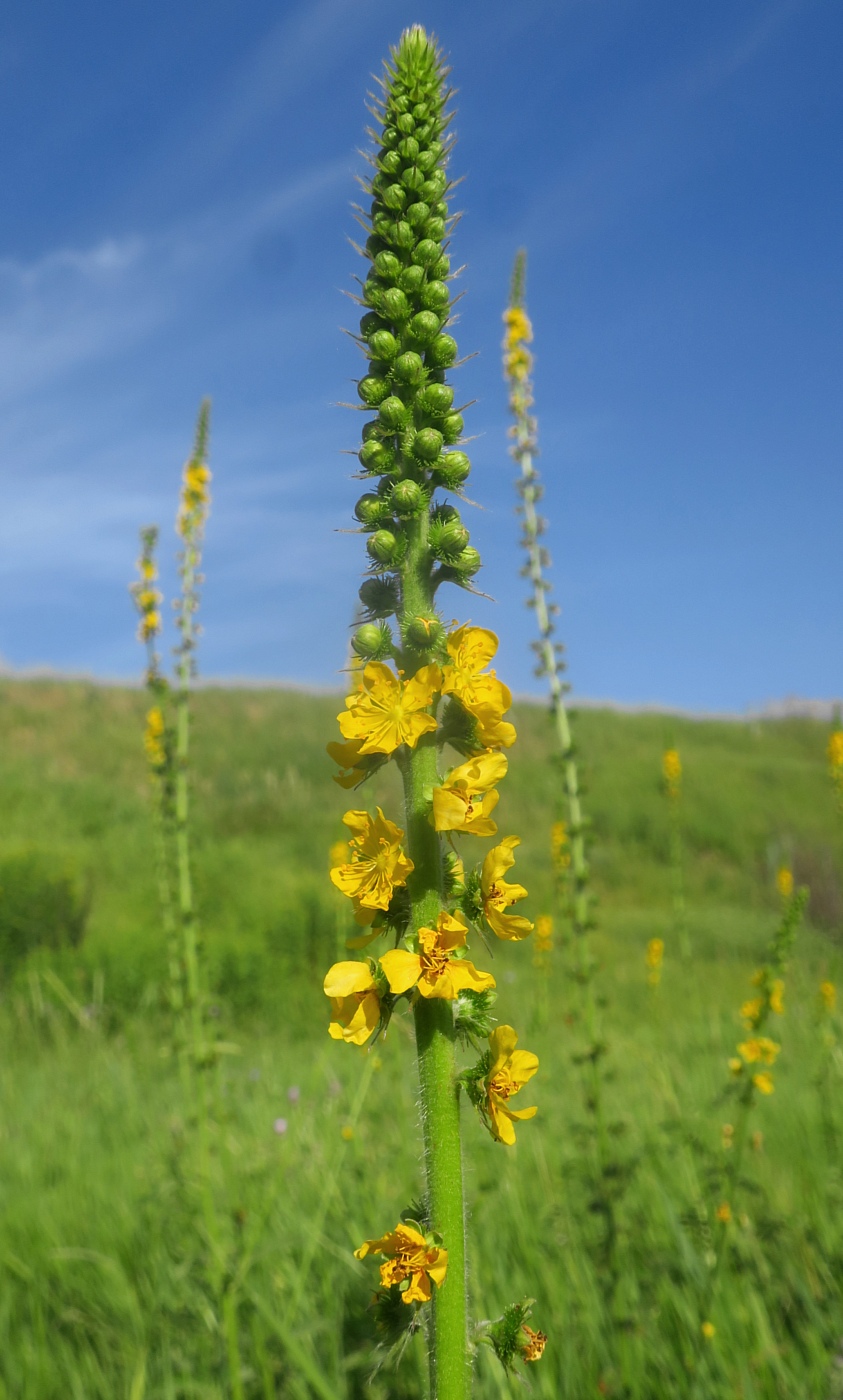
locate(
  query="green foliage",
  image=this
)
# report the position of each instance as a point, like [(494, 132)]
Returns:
[(43, 904)]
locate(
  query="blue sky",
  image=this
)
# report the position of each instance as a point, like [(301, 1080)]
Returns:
[(178, 180)]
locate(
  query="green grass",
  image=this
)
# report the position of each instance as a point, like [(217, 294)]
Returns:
[(104, 1285)]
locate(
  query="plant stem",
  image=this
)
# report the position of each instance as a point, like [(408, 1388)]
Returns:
[(450, 1372)]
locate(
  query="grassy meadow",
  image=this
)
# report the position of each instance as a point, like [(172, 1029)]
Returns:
[(104, 1256)]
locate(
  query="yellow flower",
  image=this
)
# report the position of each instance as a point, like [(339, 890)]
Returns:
[(672, 768), (759, 1048), (708, 1330), (655, 952), (498, 895), (728, 1134), (828, 995), (835, 749), (346, 1132), (536, 1343), (751, 1011), (435, 969), (763, 1082), (784, 881), (724, 1212), (410, 1262), (455, 803), (347, 756), (478, 691), (377, 865), (736, 1065), (777, 997), (387, 711), (150, 624), (508, 1072), (148, 570), (518, 326), (544, 934), (154, 736), (355, 1003), (559, 849)]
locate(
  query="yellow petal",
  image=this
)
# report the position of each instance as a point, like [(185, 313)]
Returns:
[(510, 926), (522, 1066), (437, 1265), (448, 810), (502, 1042), (419, 1289), (346, 978), (402, 969)]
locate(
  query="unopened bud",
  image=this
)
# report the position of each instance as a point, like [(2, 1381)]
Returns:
[(379, 596), (383, 345), (436, 399), (452, 427), (426, 252), (467, 563), (376, 457), (372, 510), (394, 304), (372, 641), (424, 327), (424, 631), (394, 412), (451, 470), (370, 323), (409, 367), (448, 538), (372, 389), (411, 279), (435, 296), (407, 499), (441, 352), (427, 445), (385, 547)]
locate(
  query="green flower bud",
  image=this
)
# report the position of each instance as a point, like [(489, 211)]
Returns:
[(394, 304), (436, 399), (372, 510), (448, 539), (412, 179), (407, 499), (418, 214), (467, 562), (412, 280), (451, 471), (372, 389), (424, 327), (409, 367), (370, 323), (426, 161), (406, 124), (408, 149), (452, 427), (427, 445), (394, 197), (435, 228), (384, 547), (442, 352), (435, 296), (390, 162), (402, 235), (440, 268), (372, 641), (389, 136), (394, 412), (384, 345), (379, 596), (424, 631), (386, 265), (426, 253)]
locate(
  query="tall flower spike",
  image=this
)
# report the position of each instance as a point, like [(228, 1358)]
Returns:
[(411, 881)]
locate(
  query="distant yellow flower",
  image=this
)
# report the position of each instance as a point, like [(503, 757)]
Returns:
[(410, 1262), (148, 570), (376, 866), (777, 996), (435, 969), (479, 691), (347, 756), (153, 739), (388, 711), (759, 1048), (672, 770), (784, 881), (498, 895), (467, 797), (355, 1003), (728, 1134), (736, 1065), (708, 1330), (517, 359), (536, 1343), (346, 1132), (655, 952), (195, 496), (544, 934), (751, 1012), (508, 1072), (828, 995), (560, 849), (835, 749), (724, 1212), (763, 1082)]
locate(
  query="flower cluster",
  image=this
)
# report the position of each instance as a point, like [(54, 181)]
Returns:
[(654, 958), (752, 1065), (543, 941), (421, 686), (147, 597), (517, 360)]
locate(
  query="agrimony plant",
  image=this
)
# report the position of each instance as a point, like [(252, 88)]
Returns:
[(672, 789), (423, 687)]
